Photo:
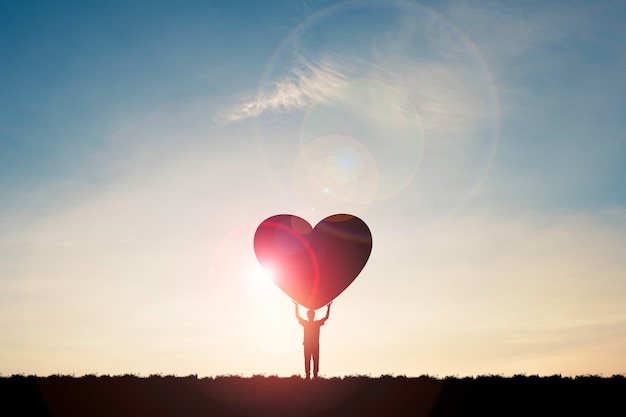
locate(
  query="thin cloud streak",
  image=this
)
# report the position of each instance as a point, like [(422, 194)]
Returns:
[(304, 85), (452, 98)]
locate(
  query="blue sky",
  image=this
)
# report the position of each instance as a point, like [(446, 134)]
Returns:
[(482, 142)]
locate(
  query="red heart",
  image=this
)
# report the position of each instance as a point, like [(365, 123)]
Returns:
[(313, 266)]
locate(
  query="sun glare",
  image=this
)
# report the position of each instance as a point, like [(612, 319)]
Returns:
[(264, 275)]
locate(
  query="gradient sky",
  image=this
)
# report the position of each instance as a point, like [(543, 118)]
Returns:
[(483, 142)]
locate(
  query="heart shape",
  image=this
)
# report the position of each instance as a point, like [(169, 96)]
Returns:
[(313, 266)]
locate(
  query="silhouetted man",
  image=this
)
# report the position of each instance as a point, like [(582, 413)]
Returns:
[(312, 339)]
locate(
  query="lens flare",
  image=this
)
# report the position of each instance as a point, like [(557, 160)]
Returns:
[(383, 122), (409, 89), (335, 170)]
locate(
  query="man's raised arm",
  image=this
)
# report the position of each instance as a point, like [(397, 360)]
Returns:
[(297, 312), (327, 311)]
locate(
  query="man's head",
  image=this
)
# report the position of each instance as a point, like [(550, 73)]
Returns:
[(310, 314)]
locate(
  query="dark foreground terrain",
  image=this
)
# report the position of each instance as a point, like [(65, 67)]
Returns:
[(226, 396)]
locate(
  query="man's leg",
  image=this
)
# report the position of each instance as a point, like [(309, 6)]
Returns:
[(316, 360), (307, 362)]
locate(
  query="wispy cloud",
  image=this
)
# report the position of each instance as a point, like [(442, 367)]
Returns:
[(304, 84), (443, 85)]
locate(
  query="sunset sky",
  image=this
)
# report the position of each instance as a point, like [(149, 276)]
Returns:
[(483, 143)]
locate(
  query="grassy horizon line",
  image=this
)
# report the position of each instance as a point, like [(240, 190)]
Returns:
[(337, 377)]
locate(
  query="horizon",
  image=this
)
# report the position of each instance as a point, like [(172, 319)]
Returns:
[(482, 143), (322, 377)]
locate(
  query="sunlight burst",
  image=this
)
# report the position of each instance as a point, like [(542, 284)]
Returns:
[(265, 275)]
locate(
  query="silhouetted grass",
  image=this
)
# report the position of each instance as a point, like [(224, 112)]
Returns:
[(260, 395)]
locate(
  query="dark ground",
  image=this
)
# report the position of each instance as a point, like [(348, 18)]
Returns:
[(228, 396)]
